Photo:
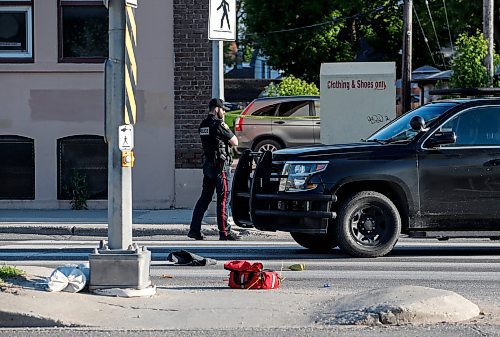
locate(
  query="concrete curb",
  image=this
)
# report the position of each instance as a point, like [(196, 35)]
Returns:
[(24, 320), (93, 229), (73, 229)]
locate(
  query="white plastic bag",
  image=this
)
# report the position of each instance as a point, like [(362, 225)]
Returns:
[(68, 278)]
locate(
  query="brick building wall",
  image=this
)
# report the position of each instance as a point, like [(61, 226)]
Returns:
[(192, 78)]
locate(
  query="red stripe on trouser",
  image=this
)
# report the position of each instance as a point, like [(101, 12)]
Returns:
[(223, 215)]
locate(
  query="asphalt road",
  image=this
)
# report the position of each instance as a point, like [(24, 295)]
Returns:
[(470, 268)]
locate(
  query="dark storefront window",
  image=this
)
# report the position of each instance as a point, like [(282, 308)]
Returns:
[(16, 32), (17, 170), (83, 31), (82, 158)]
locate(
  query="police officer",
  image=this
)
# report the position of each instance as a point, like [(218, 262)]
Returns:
[(216, 139)]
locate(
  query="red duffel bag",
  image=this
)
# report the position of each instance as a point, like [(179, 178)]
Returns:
[(247, 275)]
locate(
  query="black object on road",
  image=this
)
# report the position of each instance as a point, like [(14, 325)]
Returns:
[(185, 258)]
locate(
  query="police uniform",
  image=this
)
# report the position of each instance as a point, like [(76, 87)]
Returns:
[(215, 136)]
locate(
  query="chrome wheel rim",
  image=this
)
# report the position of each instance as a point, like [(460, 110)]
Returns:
[(267, 147)]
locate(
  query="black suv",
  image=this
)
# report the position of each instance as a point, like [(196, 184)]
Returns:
[(434, 172)]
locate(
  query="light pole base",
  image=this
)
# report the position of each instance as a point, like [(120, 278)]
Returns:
[(120, 268)]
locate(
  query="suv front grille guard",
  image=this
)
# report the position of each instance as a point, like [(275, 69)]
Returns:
[(255, 197)]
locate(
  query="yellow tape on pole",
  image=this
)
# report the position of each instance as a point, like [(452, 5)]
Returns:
[(130, 67)]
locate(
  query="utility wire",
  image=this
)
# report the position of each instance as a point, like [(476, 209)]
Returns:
[(435, 33), (329, 22), (425, 37), (448, 24)]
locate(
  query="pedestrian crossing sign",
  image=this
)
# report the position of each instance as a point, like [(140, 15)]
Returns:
[(222, 20), (126, 137)]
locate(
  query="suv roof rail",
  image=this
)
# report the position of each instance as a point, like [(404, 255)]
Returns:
[(288, 97), (466, 92)]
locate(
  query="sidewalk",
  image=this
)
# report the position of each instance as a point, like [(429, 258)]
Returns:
[(64, 216), (24, 304), (94, 222)]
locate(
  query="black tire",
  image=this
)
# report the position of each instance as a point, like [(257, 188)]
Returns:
[(368, 225), (267, 145), (316, 242)]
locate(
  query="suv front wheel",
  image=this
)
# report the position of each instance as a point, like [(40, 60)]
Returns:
[(267, 145), (368, 225)]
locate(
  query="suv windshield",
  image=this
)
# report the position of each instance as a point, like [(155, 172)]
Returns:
[(400, 129)]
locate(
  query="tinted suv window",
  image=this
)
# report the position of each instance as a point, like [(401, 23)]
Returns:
[(294, 109), (400, 128), (266, 111), (475, 127)]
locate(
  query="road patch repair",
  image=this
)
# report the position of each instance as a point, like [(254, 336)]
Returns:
[(400, 305)]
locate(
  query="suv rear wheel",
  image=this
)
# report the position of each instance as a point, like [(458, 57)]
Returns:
[(368, 225), (267, 145), (316, 242)]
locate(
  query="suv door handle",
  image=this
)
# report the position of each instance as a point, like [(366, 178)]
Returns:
[(494, 162), (279, 122), (318, 123)]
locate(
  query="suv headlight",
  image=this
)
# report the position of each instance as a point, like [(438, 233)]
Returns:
[(299, 174)]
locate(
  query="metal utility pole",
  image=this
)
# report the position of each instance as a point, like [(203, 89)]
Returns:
[(407, 53), (120, 263), (119, 178), (218, 69), (221, 27), (488, 34)]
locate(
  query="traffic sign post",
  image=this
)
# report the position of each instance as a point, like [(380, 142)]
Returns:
[(221, 27), (120, 263)]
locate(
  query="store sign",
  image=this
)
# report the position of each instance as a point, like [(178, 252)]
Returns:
[(357, 99)]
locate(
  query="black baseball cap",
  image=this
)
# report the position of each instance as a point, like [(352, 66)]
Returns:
[(216, 102)]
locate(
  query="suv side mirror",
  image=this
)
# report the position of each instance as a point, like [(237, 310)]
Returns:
[(441, 138), (417, 123)]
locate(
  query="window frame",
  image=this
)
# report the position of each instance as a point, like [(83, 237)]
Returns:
[(453, 146), (64, 168), (60, 49), (270, 108), (317, 108), (29, 55), (297, 105), (16, 139)]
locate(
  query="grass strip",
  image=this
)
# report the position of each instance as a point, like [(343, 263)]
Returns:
[(9, 272)]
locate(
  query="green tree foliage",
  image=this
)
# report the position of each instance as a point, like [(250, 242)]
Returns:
[(468, 68), (358, 31), (335, 32), (291, 86), (241, 49)]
